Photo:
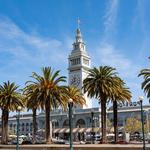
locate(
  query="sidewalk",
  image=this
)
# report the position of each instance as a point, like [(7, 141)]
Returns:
[(77, 147)]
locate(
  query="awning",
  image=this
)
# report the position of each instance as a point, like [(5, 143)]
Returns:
[(67, 130), (96, 129), (62, 130), (56, 130), (75, 130), (88, 130), (81, 130)]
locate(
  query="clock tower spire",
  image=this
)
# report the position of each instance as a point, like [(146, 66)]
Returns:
[(79, 64)]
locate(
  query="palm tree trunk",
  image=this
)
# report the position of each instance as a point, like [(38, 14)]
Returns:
[(34, 125), (5, 115), (47, 127), (103, 120), (2, 126), (115, 120)]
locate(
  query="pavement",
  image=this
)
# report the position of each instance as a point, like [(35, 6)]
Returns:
[(136, 146)]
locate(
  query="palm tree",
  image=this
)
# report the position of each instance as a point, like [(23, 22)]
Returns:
[(100, 83), (146, 83), (120, 95), (10, 99), (75, 94), (48, 93), (33, 104)]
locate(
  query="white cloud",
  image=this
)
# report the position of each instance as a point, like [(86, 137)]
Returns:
[(140, 25), (26, 52), (109, 55), (110, 16), (18, 39)]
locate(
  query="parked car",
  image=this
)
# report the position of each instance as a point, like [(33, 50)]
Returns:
[(97, 137), (58, 141), (15, 141), (40, 140)]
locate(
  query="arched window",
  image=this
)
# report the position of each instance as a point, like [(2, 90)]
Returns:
[(66, 123), (80, 123)]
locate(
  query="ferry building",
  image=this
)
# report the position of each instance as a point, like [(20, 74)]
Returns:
[(79, 62)]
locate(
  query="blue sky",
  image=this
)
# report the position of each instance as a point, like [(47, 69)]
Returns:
[(37, 33)]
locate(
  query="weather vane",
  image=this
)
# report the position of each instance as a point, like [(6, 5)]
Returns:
[(78, 21)]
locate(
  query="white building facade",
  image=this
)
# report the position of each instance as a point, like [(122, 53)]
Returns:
[(79, 64)]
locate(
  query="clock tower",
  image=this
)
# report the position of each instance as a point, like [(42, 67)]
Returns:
[(79, 64)]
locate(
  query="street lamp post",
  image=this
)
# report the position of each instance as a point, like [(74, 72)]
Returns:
[(142, 120), (147, 120), (18, 117), (92, 117), (70, 105)]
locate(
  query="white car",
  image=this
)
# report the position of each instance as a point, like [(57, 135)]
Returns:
[(15, 141)]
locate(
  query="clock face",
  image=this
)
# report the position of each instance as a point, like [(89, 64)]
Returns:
[(75, 80)]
